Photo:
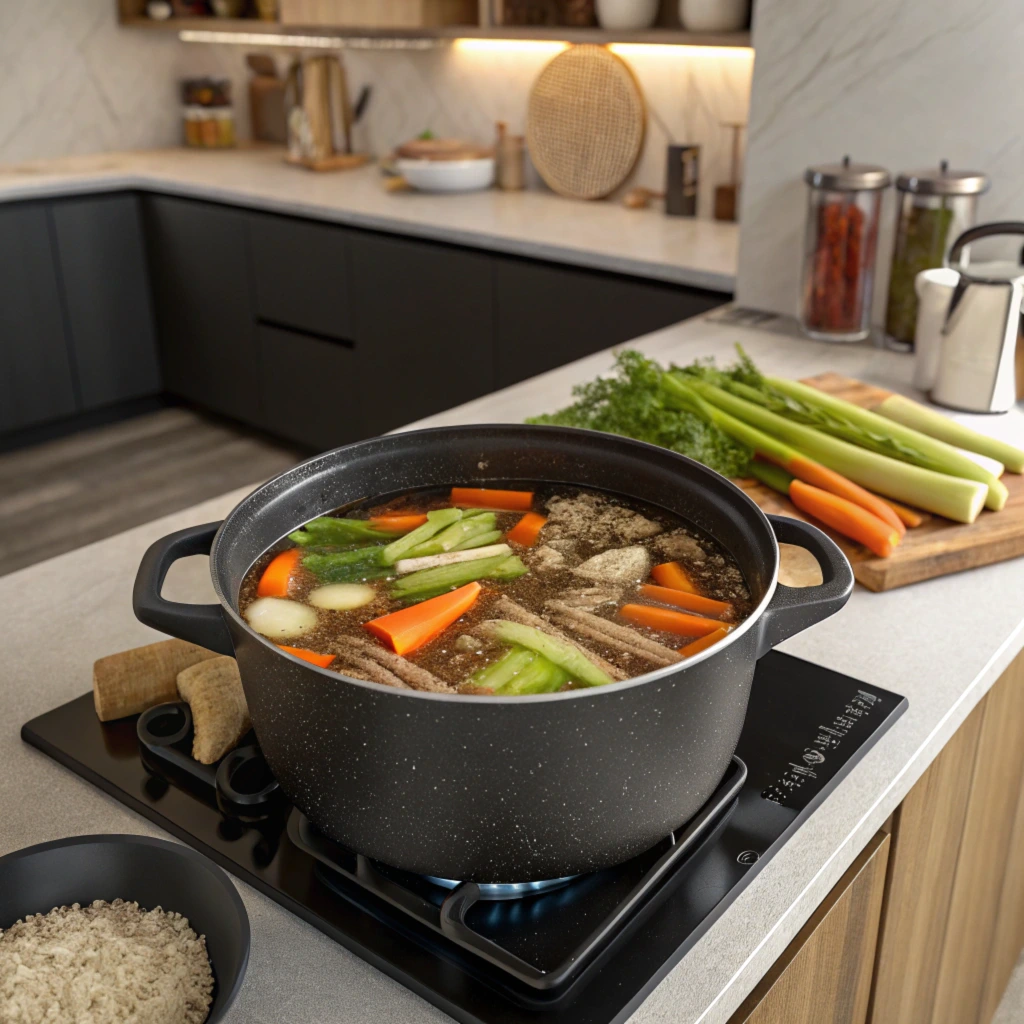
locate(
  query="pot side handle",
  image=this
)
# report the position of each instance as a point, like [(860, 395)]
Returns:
[(201, 624), (793, 609)]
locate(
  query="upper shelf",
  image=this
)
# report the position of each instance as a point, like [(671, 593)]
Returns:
[(661, 36)]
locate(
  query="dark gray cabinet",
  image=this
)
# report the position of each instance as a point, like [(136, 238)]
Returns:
[(309, 388), (316, 332), (198, 257), (102, 261), (549, 315), (423, 328), (300, 275), (36, 381)]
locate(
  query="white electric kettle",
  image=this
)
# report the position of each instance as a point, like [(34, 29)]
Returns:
[(969, 326)]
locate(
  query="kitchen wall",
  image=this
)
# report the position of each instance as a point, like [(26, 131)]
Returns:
[(74, 82), (464, 89), (899, 84)]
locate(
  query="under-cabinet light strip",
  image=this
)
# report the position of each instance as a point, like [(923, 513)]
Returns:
[(308, 42)]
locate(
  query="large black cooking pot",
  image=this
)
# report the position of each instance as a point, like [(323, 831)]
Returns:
[(493, 789)]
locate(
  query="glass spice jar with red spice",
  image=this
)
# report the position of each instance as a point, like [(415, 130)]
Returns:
[(840, 245)]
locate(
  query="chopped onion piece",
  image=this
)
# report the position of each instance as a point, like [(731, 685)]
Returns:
[(279, 618), (342, 597)]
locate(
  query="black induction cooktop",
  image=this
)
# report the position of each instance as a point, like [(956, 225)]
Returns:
[(586, 950)]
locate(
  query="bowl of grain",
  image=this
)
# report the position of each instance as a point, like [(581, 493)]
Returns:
[(112, 928)]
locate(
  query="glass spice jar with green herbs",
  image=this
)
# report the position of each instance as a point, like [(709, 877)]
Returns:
[(935, 206)]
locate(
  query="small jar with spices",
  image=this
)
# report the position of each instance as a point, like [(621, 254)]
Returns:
[(840, 249), (935, 206), (207, 114)]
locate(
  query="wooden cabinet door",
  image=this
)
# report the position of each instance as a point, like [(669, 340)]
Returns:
[(824, 976), (102, 261), (35, 368), (971, 934), (424, 328), (198, 261), (549, 315), (926, 836), (1008, 938)]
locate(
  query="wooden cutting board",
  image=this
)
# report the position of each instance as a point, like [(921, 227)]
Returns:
[(936, 548)]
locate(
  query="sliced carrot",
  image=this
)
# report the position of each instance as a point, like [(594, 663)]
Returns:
[(811, 472), (908, 516), (667, 621), (674, 576), (704, 642), (691, 602), (406, 630), (276, 577), (527, 530), (398, 523), (487, 497), (323, 660), (849, 519)]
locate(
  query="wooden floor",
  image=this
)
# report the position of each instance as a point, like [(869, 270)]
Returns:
[(65, 493)]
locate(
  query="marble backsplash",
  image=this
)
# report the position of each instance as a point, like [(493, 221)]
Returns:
[(903, 85), (74, 82)]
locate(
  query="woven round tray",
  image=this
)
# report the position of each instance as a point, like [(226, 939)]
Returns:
[(585, 122)]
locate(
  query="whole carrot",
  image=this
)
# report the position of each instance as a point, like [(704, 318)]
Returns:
[(814, 473), (849, 519), (908, 516)]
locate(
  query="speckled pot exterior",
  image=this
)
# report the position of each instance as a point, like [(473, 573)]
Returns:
[(498, 789)]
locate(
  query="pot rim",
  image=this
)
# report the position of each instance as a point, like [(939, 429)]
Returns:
[(648, 677)]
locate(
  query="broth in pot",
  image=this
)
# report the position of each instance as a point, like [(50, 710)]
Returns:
[(506, 591)]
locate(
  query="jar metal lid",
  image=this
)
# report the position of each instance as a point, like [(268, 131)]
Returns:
[(941, 181), (847, 176)]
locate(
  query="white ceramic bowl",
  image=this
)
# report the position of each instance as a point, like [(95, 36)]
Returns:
[(447, 175), (626, 15), (714, 15)]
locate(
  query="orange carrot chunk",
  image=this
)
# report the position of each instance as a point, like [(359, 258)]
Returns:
[(703, 643), (813, 473), (844, 516), (398, 523), (667, 621), (277, 576), (691, 602), (323, 660), (908, 516), (527, 530), (486, 497), (674, 576), (406, 630)]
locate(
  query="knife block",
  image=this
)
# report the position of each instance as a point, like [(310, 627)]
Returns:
[(320, 116)]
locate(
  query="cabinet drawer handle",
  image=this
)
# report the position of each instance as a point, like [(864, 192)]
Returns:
[(318, 335)]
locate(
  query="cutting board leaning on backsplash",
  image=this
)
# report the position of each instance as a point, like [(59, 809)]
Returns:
[(936, 548)]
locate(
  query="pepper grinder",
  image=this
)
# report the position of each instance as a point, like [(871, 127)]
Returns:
[(509, 156)]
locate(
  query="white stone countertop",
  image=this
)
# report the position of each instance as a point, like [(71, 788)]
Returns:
[(533, 223), (941, 643)]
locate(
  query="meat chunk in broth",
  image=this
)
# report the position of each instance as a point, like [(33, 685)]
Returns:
[(546, 557), (595, 520), (679, 545), (620, 565)]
